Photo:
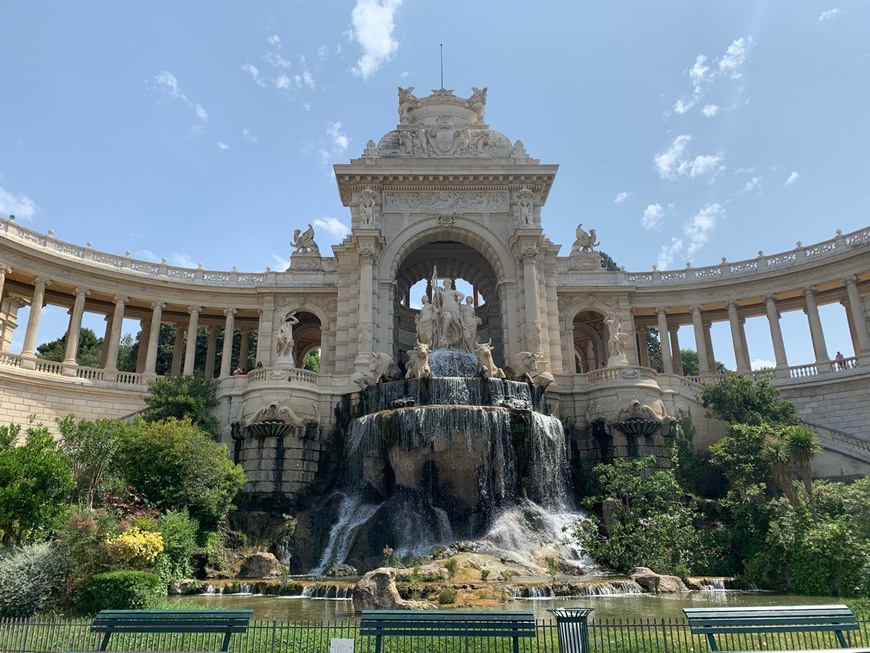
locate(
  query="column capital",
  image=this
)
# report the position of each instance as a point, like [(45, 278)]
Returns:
[(120, 299), (850, 280), (661, 310), (367, 254), (230, 311), (194, 309), (85, 292), (732, 303), (156, 305), (769, 297), (5, 269), (529, 254), (41, 281), (695, 308), (808, 290)]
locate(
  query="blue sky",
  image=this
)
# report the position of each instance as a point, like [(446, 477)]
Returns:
[(205, 132)]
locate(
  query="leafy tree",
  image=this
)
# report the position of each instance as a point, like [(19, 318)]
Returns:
[(35, 482), (90, 447), (689, 359), (741, 400), (643, 520), (177, 466), (312, 361), (89, 351), (801, 445), (608, 263), (182, 397)]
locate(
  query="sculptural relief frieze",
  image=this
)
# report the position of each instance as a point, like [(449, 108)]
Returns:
[(447, 201), (444, 140)]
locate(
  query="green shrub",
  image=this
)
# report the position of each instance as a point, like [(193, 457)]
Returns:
[(179, 541), (121, 590), (447, 596), (29, 579), (451, 564)]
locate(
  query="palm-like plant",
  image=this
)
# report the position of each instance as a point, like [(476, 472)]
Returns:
[(777, 456), (801, 445)]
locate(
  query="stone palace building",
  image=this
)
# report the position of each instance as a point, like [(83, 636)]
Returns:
[(442, 191)]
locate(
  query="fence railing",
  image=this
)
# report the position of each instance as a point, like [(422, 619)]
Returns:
[(605, 636)]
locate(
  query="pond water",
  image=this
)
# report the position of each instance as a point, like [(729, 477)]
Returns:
[(622, 607)]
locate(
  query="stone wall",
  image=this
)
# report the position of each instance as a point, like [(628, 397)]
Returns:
[(841, 403), (53, 397)]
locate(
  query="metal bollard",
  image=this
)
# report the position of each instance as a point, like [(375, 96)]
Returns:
[(573, 629)]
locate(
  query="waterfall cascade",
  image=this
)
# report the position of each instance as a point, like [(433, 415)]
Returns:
[(435, 460)]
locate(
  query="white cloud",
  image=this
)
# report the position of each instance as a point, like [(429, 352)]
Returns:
[(710, 110), (622, 196), (372, 27), (254, 73), (308, 79), (280, 263), (828, 15), (181, 260), (146, 255), (274, 39), (340, 140), (653, 216), (248, 136), (19, 205), (331, 225), (762, 364), (700, 227), (282, 82), (674, 161), (322, 52), (792, 178), (752, 184), (703, 74), (668, 253), (167, 83), (223, 146)]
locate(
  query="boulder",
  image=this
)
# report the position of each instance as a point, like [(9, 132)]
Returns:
[(260, 565), (655, 583), (377, 591), (341, 571)]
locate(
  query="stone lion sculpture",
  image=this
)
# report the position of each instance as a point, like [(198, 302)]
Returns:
[(418, 362), (382, 367), (485, 365)]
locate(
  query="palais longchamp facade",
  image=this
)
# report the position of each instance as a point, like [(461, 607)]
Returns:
[(443, 197)]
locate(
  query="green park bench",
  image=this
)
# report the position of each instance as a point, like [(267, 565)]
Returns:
[(143, 622), (771, 621), (447, 623)]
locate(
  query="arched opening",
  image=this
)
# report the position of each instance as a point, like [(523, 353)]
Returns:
[(467, 270), (306, 336), (590, 336)]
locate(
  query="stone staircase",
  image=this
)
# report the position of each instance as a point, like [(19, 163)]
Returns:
[(844, 443)]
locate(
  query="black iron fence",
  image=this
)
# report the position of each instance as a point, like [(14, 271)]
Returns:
[(605, 636)]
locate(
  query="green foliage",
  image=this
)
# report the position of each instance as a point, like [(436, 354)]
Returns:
[(312, 361), (35, 482), (83, 541), (182, 397), (607, 262), (29, 579), (689, 359), (447, 596), (89, 353), (643, 521), (179, 541), (90, 448), (552, 568), (685, 462), (121, 590), (740, 400), (451, 565), (176, 466)]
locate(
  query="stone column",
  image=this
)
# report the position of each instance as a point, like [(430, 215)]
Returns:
[(190, 352), (73, 332), (745, 342), (28, 350), (700, 341), (150, 370), (855, 310), (107, 335), (144, 337), (244, 347), (366, 327), (816, 332), (111, 365), (667, 361), (711, 356), (210, 351), (643, 350), (737, 338), (776, 332), (532, 326), (853, 331), (177, 348), (675, 349), (227, 350), (4, 270)]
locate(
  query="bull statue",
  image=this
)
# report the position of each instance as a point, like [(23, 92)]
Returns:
[(418, 362), (523, 366), (485, 365), (382, 367)]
